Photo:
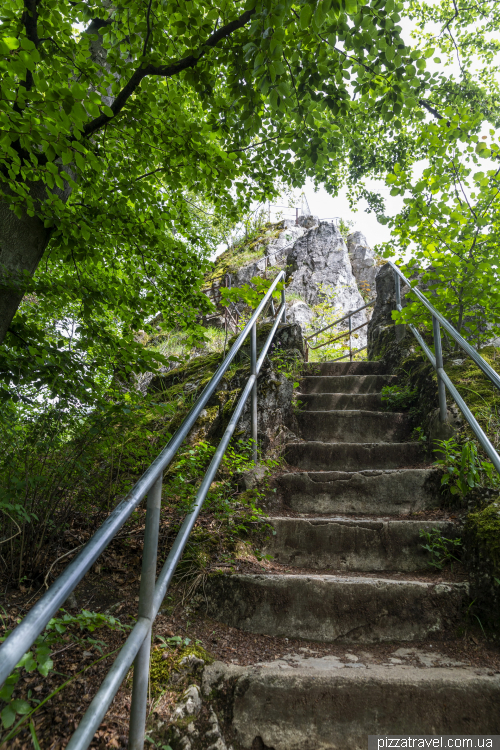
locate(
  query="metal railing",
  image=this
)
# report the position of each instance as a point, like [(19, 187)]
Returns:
[(137, 646), (349, 333), (436, 360)]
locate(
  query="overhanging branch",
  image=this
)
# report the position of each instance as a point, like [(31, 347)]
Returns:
[(166, 71)]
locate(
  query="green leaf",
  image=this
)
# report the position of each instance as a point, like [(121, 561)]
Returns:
[(20, 707), (305, 16), (8, 716)]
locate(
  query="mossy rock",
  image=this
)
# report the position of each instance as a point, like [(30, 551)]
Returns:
[(166, 661), (482, 558), (483, 530), (245, 252)]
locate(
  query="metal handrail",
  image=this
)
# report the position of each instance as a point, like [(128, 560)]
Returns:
[(436, 360), (137, 645), (480, 362), (342, 335)]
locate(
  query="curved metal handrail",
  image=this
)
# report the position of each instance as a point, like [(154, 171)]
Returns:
[(342, 335), (480, 362), (436, 360), (151, 594)]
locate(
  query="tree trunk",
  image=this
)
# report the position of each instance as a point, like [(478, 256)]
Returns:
[(22, 244), (23, 241)]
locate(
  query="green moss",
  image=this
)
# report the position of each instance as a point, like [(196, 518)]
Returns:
[(479, 393), (162, 668), (245, 252), (483, 528)]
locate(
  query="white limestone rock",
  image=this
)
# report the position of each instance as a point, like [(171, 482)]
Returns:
[(363, 263), (320, 267), (300, 313)]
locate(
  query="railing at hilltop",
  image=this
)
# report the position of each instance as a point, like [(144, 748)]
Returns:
[(349, 333)]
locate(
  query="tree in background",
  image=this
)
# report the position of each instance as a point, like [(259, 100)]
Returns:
[(450, 221), (450, 224), (113, 116)]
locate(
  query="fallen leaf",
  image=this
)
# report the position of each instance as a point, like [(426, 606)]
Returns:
[(38, 688), (87, 653)]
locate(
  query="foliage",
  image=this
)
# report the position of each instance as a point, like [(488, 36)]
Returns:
[(326, 312), (62, 465), (480, 395), (451, 220), (251, 294), (183, 479), (108, 134), (38, 657), (398, 397), (463, 467), (345, 227), (483, 531), (462, 34), (441, 549)]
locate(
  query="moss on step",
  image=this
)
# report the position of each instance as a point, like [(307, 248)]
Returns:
[(166, 661), (482, 552)]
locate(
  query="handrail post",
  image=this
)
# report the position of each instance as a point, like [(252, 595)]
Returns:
[(397, 284), (253, 368), (146, 603), (443, 411), (350, 340), (283, 302)]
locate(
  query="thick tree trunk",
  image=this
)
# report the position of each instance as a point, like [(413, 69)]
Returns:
[(22, 244), (23, 241)]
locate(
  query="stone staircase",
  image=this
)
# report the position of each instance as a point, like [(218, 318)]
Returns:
[(350, 569)]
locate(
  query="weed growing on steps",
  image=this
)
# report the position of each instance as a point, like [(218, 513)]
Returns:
[(399, 397), (464, 469), (441, 549), (229, 517), (39, 658)]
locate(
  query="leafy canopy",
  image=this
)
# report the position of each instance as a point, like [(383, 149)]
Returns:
[(111, 134)]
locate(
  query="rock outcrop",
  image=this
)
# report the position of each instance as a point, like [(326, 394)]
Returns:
[(319, 268), (363, 263)]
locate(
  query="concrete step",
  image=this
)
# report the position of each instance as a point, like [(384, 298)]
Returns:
[(376, 492), (344, 368), (332, 401), (333, 607), (342, 544), (345, 383), (321, 456), (322, 703), (354, 426)]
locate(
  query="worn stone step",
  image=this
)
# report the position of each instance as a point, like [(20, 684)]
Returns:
[(354, 426), (323, 704), (345, 383), (334, 608), (329, 401), (391, 492), (321, 456), (342, 544), (345, 368)]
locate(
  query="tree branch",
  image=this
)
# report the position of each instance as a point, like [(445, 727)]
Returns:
[(167, 71), (430, 109)]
